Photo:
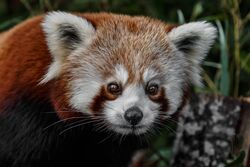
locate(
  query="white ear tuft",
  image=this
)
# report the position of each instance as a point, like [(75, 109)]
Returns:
[(64, 32), (194, 41)]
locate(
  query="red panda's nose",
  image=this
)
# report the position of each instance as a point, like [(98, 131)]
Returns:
[(133, 115)]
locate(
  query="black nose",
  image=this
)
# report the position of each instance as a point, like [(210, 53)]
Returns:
[(133, 115)]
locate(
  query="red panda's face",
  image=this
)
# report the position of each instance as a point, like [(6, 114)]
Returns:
[(127, 104), (129, 71)]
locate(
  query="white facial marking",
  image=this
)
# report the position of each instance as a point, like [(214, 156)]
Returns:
[(170, 79), (149, 74), (121, 74), (84, 86), (174, 80), (134, 95), (82, 93)]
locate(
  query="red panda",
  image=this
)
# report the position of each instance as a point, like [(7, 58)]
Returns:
[(70, 84)]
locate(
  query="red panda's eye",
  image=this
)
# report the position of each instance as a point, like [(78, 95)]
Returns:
[(114, 88), (152, 89)]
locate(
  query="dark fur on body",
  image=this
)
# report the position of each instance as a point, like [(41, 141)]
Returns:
[(25, 143)]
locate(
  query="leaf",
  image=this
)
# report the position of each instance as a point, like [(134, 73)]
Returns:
[(238, 162), (245, 62), (181, 18), (224, 81), (213, 17), (245, 37), (212, 64), (162, 156), (10, 23), (197, 10)]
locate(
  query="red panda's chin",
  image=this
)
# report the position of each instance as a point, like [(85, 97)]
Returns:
[(129, 130)]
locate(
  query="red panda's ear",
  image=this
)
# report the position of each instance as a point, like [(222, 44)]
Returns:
[(194, 41), (64, 33)]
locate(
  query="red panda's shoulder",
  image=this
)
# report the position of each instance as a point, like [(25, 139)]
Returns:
[(23, 57)]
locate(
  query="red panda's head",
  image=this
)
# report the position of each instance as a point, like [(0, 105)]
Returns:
[(132, 71)]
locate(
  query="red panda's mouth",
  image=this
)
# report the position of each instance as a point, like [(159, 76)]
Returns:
[(130, 126), (129, 129)]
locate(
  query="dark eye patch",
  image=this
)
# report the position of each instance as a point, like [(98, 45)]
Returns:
[(99, 100), (161, 100)]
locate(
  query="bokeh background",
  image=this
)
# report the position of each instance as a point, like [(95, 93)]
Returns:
[(226, 69)]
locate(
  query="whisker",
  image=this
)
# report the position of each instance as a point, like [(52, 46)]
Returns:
[(62, 120), (106, 138), (62, 111), (109, 107), (101, 127), (176, 122), (120, 139), (146, 138), (84, 123), (171, 130), (158, 122)]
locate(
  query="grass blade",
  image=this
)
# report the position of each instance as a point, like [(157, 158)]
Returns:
[(224, 81)]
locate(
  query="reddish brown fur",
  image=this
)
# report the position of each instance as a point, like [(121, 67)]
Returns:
[(60, 102), (161, 99), (24, 57), (139, 26)]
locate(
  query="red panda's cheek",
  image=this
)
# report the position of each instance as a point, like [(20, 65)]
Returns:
[(63, 110), (61, 102)]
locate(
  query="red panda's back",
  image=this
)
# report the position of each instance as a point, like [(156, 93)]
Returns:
[(24, 58)]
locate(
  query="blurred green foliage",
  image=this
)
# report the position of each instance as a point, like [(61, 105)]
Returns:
[(237, 161), (227, 68)]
